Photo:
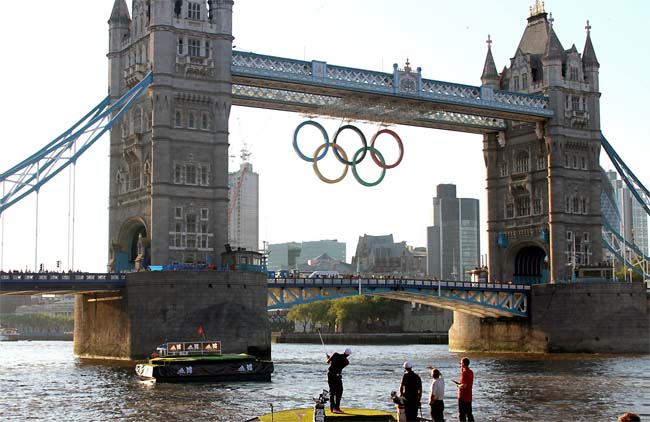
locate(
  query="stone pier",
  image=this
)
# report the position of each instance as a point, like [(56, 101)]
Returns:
[(171, 306), (573, 318)]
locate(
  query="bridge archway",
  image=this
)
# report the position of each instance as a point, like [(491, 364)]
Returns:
[(530, 265), (133, 249)]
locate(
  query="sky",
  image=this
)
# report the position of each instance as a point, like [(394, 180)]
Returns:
[(54, 69)]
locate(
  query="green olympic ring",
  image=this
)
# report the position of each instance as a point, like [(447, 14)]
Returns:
[(373, 151)]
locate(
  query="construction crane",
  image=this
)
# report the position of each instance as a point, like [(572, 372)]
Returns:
[(234, 197)]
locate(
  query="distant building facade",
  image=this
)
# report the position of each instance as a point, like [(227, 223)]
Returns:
[(381, 255), (283, 256), (295, 255), (243, 208), (632, 220), (453, 242), (314, 249)]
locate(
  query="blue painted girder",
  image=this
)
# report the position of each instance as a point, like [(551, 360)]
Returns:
[(479, 299)]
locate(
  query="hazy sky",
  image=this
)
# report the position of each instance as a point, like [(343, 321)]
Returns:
[(54, 69)]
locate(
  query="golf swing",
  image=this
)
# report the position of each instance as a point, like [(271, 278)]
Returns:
[(336, 362)]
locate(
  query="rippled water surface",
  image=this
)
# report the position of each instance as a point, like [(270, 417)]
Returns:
[(43, 381)]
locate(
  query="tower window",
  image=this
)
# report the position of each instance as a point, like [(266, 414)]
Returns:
[(190, 220), (190, 120), (178, 213), (521, 164), (541, 162), (205, 121), (204, 214), (205, 175), (504, 168), (537, 206), (178, 119), (194, 47), (178, 174), (523, 206), (194, 10), (190, 174), (510, 210), (575, 102), (516, 83), (524, 81), (180, 45), (134, 176), (574, 73)]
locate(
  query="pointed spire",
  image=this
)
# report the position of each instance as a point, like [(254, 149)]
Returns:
[(490, 76), (554, 49), (588, 53), (120, 13)]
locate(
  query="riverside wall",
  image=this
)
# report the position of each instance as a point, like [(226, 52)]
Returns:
[(171, 306), (579, 317)]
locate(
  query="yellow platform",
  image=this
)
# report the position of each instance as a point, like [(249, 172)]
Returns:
[(307, 415)]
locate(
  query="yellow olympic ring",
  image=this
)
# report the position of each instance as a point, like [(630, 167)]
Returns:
[(315, 163)]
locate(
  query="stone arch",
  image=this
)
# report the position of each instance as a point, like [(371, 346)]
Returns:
[(133, 245), (530, 264)]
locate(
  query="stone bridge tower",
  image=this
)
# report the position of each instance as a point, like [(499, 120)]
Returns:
[(169, 156), (544, 180)]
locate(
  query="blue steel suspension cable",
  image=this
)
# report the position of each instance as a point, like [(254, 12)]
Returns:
[(632, 182), (24, 180)]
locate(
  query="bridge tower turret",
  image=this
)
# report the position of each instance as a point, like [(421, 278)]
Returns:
[(169, 156), (544, 179)]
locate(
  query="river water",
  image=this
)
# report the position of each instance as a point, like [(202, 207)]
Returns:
[(43, 381)]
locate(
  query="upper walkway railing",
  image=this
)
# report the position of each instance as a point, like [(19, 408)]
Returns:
[(338, 91)]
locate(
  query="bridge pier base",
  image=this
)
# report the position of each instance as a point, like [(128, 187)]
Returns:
[(171, 306), (571, 318)]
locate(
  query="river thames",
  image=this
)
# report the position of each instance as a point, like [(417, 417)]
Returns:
[(44, 381)]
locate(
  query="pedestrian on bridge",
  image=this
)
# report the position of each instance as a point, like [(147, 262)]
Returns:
[(336, 362)]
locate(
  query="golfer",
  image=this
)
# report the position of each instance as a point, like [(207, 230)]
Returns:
[(336, 363)]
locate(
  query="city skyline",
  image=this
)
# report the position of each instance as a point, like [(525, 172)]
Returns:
[(69, 77)]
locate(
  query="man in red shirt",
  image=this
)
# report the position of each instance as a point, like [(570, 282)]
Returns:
[(465, 392)]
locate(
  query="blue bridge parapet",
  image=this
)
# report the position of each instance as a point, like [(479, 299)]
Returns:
[(480, 299)]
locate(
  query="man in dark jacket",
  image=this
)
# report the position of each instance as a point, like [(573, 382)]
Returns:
[(336, 363), (411, 389)]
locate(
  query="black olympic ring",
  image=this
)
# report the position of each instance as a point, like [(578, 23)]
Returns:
[(341, 155)]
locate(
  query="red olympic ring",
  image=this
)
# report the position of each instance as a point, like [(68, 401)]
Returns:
[(399, 144)]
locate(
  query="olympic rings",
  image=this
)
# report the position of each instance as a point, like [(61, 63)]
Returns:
[(399, 144), (295, 140), (342, 156), (363, 140), (373, 151), (344, 159)]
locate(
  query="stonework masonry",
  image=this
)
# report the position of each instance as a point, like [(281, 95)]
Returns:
[(566, 318), (170, 306)]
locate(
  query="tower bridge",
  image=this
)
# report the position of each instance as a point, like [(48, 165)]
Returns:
[(540, 125)]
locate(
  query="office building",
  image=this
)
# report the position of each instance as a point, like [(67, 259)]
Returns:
[(453, 242), (243, 206)]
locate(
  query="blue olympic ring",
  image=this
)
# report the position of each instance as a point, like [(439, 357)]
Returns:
[(295, 140)]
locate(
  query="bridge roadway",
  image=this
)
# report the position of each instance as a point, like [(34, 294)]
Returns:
[(479, 299)]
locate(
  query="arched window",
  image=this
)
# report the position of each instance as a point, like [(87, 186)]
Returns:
[(178, 119), (190, 120)]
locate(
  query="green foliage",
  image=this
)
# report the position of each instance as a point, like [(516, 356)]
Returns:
[(361, 310), (623, 273), (38, 322)]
